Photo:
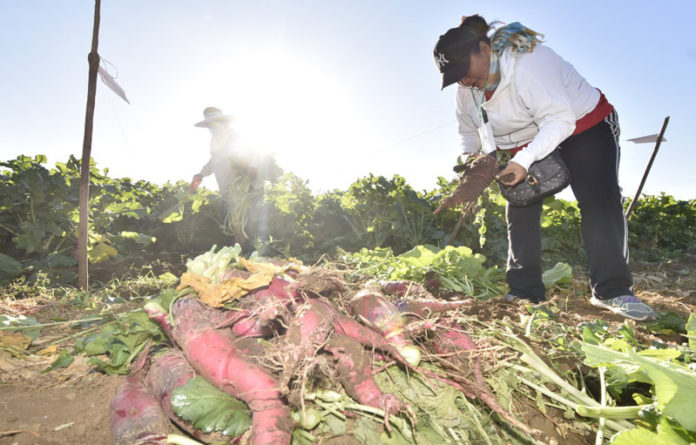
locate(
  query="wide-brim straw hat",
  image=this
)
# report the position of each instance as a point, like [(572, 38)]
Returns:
[(212, 114)]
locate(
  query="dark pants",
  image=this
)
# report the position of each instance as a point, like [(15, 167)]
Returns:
[(592, 157)]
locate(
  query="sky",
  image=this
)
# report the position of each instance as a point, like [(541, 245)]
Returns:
[(335, 89)]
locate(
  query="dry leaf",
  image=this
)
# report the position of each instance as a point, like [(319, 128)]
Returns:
[(50, 350), (14, 340), (215, 295)]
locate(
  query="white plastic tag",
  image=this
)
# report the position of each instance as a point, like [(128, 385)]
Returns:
[(485, 132)]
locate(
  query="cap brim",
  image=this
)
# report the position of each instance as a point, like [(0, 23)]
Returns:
[(206, 123), (453, 75)]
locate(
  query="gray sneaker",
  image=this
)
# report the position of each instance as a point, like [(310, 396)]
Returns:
[(627, 306)]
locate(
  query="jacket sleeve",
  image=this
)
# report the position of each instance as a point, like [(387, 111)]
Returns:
[(468, 134), (207, 169), (542, 92)]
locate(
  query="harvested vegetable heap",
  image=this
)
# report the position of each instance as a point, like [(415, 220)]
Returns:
[(272, 352)]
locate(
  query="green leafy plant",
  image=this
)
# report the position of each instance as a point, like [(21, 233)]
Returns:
[(210, 409), (458, 268), (120, 342), (672, 383), (657, 227)]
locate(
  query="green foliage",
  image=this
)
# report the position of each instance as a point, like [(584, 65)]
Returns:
[(29, 326), (136, 221), (39, 215), (63, 360), (213, 264), (667, 432), (561, 273), (691, 331), (663, 228), (120, 342), (458, 268), (38, 209), (561, 231), (443, 412), (284, 224), (9, 267), (210, 409), (665, 369), (388, 212)]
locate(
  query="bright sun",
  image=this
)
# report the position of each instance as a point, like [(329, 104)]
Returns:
[(288, 106)]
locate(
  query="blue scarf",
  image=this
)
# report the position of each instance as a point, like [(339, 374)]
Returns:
[(516, 36)]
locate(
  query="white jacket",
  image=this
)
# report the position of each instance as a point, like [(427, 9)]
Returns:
[(538, 101)]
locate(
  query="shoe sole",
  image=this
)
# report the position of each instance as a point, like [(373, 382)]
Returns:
[(599, 303)]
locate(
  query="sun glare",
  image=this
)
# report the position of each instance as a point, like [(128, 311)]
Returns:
[(289, 106)]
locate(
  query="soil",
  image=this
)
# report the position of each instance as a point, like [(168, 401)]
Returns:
[(71, 405)]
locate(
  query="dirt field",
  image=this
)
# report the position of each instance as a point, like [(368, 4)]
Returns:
[(71, 405)]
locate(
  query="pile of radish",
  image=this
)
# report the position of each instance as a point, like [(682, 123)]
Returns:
[(302, 334)]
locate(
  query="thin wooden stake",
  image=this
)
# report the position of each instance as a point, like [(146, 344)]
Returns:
[(647, 169), (93, 58)]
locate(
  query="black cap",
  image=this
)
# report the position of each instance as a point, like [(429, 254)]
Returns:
[(453, 53)]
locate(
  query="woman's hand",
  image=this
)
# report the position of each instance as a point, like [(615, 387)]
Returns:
[(512, 174), (195, 182)]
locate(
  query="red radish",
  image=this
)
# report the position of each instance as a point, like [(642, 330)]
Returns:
[(213, 354), (362, 334), (460, 350), (250, 327), (355, 373), (267, 304), (244, 323), (252, 349), (318, 283), (307, 333), (279, 288), (404, 288), (374, 310), (169, 371), (135, 414)]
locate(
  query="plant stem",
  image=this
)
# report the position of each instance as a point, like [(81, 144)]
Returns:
[(610, 412), (178, 439), (330, 409), (398, 422), (87, 331), (599, 438), (306, 435), (616, 426), (42, 325), (550, 394), (537, 364), (528, 330)]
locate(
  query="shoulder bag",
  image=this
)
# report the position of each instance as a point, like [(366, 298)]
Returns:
[(545, 177)]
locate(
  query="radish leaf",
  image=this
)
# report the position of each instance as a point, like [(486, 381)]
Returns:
[(210, 409), (675, 388), (63, 360), (691, 331)]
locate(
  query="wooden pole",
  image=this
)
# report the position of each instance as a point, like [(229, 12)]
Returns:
[(647, 169), (93, 59)]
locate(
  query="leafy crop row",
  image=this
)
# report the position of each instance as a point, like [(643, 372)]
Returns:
[(132, 222)]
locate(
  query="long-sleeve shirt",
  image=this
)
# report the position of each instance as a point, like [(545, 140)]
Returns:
[(538, 101), (224, 154)]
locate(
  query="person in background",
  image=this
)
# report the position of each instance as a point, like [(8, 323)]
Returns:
[(535, 101), (235, 173), (223, 145), (240, 174)]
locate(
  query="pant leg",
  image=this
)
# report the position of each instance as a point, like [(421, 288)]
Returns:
[(523, 272), (592, 158)]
